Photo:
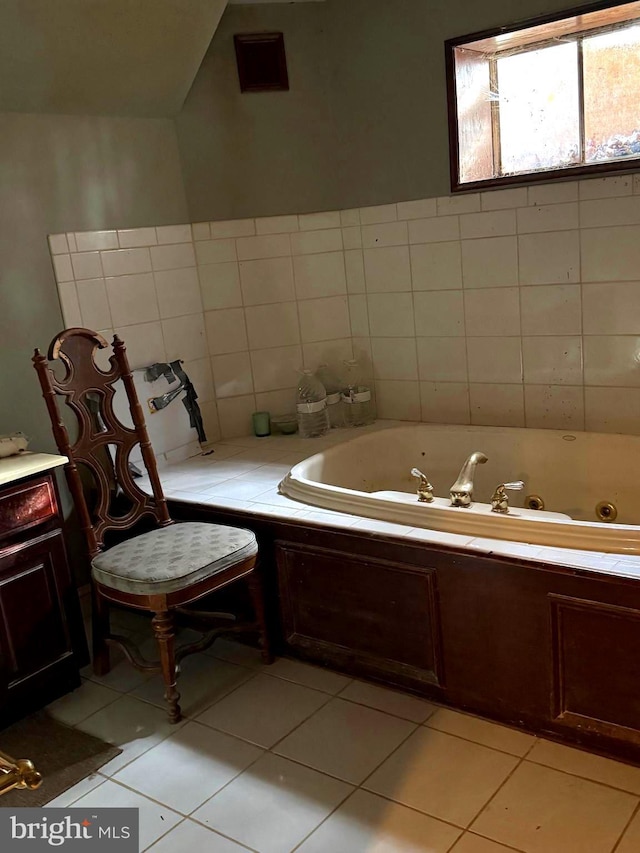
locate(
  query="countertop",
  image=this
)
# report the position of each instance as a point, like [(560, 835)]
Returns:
[(14, 468)]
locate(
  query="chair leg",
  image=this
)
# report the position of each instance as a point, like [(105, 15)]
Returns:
[(256, 590), (165, 637), (100, 630)]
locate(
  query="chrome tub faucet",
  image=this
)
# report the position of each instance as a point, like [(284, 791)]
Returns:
[(425, 489), (462, 490)]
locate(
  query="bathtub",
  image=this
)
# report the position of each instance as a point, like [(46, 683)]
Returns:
[(369, 475)]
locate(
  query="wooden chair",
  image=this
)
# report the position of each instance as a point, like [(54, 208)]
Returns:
[(161, 570)]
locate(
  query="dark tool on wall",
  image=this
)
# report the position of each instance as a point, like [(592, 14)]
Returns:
[(173, 372)]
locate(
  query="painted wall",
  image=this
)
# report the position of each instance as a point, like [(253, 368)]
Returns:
[(365, 121)]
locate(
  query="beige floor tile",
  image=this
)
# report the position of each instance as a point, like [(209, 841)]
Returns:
[(133, 725), (122, 676), (540, 810), (631, 839), (189, 767), (155, 820), (81, 703), (202, 681), (442, 775), (264, 709), (195, 837), (585, 764), (309, 676), (238, 653), (481, 731), (273, 805), (74, 793), (366, 823), (345, 740), (390, 701), (470, 843)]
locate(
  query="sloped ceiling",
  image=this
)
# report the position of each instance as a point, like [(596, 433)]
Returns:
[(105, 57)]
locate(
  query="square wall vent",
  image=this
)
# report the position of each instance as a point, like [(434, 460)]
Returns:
[(262, 64)]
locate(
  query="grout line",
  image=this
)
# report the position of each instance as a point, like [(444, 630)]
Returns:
[(635, 812)]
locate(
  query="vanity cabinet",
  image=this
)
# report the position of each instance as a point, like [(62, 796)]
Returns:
[(42, 643)]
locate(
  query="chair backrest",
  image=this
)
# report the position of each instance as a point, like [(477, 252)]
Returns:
[(104, 443)]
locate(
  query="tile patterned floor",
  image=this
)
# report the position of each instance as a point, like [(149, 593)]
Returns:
[(292, 757)]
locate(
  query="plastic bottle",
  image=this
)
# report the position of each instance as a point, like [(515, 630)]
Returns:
[(356, 397), (333, 386), (311, 406)]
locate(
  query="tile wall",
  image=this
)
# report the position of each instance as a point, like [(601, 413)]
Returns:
[(514, 307)]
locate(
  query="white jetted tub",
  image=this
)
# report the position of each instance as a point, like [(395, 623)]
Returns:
[(571, 472)]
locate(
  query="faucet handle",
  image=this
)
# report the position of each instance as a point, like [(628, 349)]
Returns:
[(425, 489), (500, 499)]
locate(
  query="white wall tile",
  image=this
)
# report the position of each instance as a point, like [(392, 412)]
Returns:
[(220, 285), (232, 375), (201, 231), (611, 255), (549, 257), (467, 203), (132, 299), (612, 360), (132, 238), (554, 407), (378, 213), (174, 234), (442, 359), (69, 304), (125, 262), (611, 309), (215, 251), (497, 405), (354, 267), (552, 360), (199, 372), (359, 315), (58, 244), (612, 410), (277, 368), (387, 269), (439, 313), (310, 242), (178, 292), (333, 353), (504, 199), (609, 211), (551, 310), (394, 358), (390, 315), (493, 311), (388, 234), (490, 263), (281, 402), (235, 415), (324, 319), (352, 237), (86, 265), (62, 268), (185, 337), (71, 240), (434, 230), (617, 185), (226, 331), (418, 209), (232, 228), (267, 246), (272, 325), (495, 360), (549, 217), (93, 241), (145, 344), (436, 266), (496, 223), (350, 217), (277, 224), (319, 275), (94, 306), (318, 221), (555, 193), (266, 280), (398, 400), (445, 403)]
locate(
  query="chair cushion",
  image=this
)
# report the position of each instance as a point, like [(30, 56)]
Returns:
[(172, 558)]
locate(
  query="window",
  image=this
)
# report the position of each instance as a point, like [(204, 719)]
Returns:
[(546, 99)]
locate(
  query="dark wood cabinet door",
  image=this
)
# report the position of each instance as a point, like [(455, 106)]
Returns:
[(33, 630)]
